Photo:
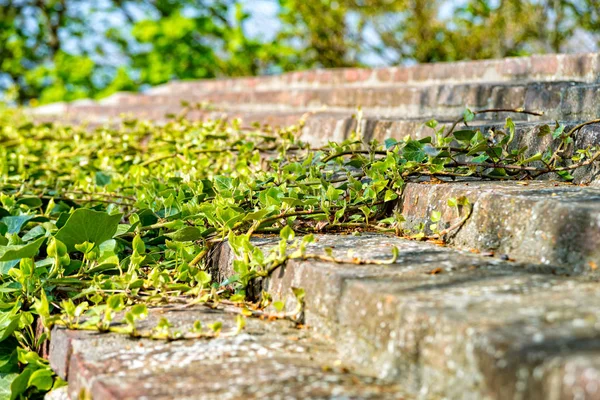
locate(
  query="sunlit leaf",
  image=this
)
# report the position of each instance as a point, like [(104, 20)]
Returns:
[(88, 225)]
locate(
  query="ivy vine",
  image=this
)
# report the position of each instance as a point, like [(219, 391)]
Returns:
[(100, 224)]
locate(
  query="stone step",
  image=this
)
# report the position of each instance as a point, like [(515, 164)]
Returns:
[(581, 102), (320, 127), (401, 101), (556, 99), (540, 222), (268, 359), (545, 68), (448, 323)]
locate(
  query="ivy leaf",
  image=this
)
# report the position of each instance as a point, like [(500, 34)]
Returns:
[(500, 172), (464, 135), (41, 379), (565, 175), (287, 233), (19, 384), (146, 217), (34, 233), (299, 294), (15, 223), (468, 115), (279, 305), (558, 131), (16, 252), (216, 327), (413, 151), (260, 214), (6, 266), (138, 245), (333, 194), (479, 147), (187, 234), (42, 307), (544, 130), (115, 302), (203, 277), (139, 311), (389, 143), (31, 202), (223, 183), (9, 321), (432, 123), (390, 195), (480, 158), (535, 157), (431, 151), (8, 357), (102, 179), (240, 321), (5, 383), (510, 125), (86, 225), (494, 152)]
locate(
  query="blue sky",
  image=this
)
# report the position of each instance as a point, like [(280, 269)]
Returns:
[(264, 22)]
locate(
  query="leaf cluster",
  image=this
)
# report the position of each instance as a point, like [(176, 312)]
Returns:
[(97, 225)]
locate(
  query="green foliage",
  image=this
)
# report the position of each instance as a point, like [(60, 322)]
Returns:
[(51, 50), (322, 27), (344, 32), (96, 228), (85, 225)]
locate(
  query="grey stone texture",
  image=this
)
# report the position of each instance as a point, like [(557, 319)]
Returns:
[(267, 360), (565, 87), (539, 222), (449, 323)]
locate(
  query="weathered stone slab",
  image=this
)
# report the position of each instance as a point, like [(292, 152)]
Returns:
[(267, 360), (401, 101), (474, 334), (540, 68), (539, 222), (451, 323), (558, 100), (321, 127)]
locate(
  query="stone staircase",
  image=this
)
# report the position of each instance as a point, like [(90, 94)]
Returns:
[(509, 309)]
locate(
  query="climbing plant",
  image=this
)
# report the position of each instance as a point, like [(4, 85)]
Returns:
[(98, 224)]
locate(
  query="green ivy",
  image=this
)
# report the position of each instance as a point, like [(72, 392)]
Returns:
[(97, 225)]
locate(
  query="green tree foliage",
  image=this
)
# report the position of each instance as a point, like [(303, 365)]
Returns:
[(204, 45), (433, 30), (50, 49), (322, 29), (53, 50)]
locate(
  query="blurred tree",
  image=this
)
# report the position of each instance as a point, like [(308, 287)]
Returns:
[(335, 33), (54, 50), (205, 44), (319, 31), (50, 49), (330, 33), (476, 30)]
